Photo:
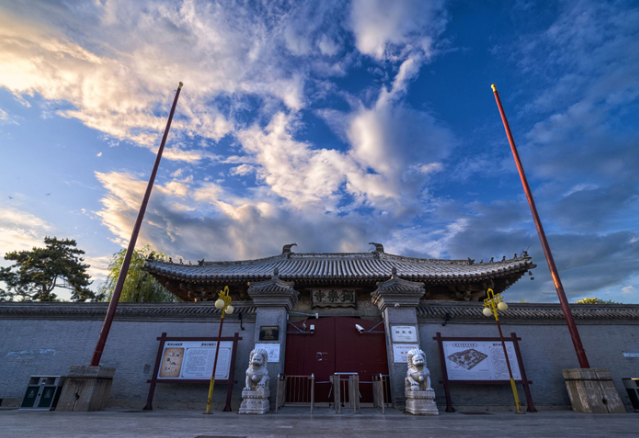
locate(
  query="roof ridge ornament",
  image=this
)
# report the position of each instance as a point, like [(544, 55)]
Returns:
[(286, 249), (378, 246)]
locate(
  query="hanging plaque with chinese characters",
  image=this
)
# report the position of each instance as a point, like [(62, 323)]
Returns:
[(333, 297)]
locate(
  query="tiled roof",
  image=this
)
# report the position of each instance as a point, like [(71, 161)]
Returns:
[(373, 266), (156, 311), (529, 311), (397, 285)]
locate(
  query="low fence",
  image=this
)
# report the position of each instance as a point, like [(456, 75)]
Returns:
[(295, 391), (345, 392), (381, 391), (300, 391)]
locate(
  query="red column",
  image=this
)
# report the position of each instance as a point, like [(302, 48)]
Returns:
[(565, 307)]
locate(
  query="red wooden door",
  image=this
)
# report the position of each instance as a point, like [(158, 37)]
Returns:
[(314, 353), (361, 353), (336, 346)]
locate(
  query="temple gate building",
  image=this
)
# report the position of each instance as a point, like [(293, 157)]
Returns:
[(335, 312)]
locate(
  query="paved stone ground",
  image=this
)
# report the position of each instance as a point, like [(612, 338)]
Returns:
[(292, 423)]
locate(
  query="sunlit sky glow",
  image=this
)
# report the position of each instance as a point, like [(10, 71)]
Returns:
[(330, 124)]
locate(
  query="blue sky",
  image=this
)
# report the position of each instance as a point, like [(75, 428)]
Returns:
[(330, 124)]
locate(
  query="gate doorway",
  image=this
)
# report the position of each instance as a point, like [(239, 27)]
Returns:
[(336, 346)]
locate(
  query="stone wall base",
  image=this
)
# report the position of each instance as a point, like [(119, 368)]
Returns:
[(592, 390), (86, 388)]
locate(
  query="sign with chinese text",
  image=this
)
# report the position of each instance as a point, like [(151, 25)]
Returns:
[(401, 350), (273, 351), (404, 333), (333, 297), (480, 360), (193, 360), (269, 333)]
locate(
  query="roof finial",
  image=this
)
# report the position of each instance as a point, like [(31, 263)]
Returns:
[(276, 272), (286, 249), (394, 272), (378, 246)]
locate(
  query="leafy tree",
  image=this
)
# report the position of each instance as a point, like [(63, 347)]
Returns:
[(595, 300), (36, 273), (139, 286)]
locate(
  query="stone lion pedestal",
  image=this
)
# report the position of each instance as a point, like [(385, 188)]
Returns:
[(255, 401), (255, 393), (420, 396), (421, 402)]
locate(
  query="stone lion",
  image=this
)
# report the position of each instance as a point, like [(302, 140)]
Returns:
[(256, 373), (417, 376)]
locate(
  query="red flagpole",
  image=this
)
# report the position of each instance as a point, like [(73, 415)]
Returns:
[(565, 307), (113, 304)]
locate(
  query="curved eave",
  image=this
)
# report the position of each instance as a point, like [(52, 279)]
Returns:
[(165, 271)]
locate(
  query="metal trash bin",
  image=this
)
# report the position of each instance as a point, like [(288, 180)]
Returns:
[(632, 388), (42, 392)]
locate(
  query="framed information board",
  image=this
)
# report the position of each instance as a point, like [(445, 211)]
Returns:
[(480, 360), (272, 349), (477, 361), (193, 360), (190, 360)]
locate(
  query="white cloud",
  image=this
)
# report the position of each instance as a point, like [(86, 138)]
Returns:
[(6, 119), (123, 85), (238, 228), (20, 230), (292, 169), (429, 168), (386, 28), (116, 62), (98, 269), (241, 170), (580, 188)]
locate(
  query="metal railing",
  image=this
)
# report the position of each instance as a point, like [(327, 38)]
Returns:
[(345, 391), (295, 391), (381, 391)]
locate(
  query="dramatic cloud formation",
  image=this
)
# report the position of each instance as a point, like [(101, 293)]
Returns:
[(225, 53), (335, 123), (240, 229)]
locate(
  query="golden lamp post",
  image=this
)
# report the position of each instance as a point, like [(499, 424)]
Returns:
[(224, 304), (491, 306)]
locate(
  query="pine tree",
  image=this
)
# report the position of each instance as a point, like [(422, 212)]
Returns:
[(38, 272)]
